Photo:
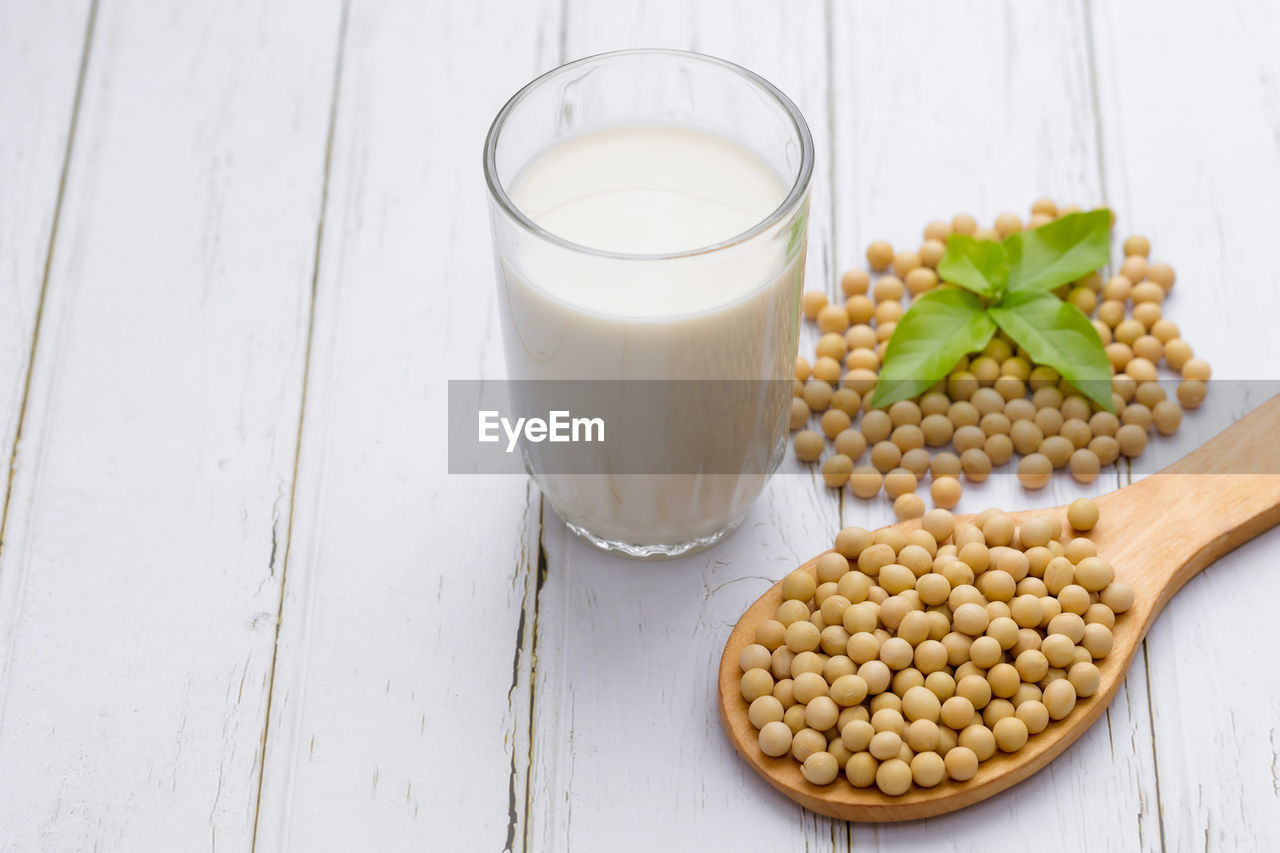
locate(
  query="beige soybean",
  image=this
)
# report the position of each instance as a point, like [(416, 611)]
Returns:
[(1166, 416), (806, 742), (1118, 596), (861, 770), (820, 768), (812, 302), (775, 739), (771, 634), (975, 464), (794, 718), (1137, 245), (904, 262), (931, 252), (889, 311), (879, 254), (1196, 369), (908, 506), (1191, 393), (808, 445), (821, 713), (928, 769), (850, 443), (961, 763), (1097, 640), (1084, 678), (1059, 698), (1177, 353), (1134, 268), (893, 777), (1131, 439), (1010, 734), (833, 318), (848, 401), (917, 461), (922, 279), (1082, 514), (837, 470), (809, 684), (860, 310), (832, 565), (898, 482), (865, 481), (854, 282), (885, 744), (756, 683), (979, 739), (799, 411), (755, 656), (1146, 292), (834, 421), (1035, 470), (784, 692), (791, 611), (802, 636), (1093, 573), (945, 491), (764, 710)]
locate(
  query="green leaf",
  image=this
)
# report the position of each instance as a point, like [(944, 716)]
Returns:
[(977, 265), (939, 329), (1058, 334), (1059, 252)]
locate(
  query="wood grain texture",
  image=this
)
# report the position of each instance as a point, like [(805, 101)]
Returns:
[(142, 566), (979, 107), (1189, 135), (42, 52), (140, 574), (400, 710), (625, 723), (1158, 533)]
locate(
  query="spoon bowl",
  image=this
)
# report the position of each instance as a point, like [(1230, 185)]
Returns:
[(1158, 533)]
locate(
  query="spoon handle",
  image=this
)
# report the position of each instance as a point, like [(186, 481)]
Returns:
[(1169, 526)]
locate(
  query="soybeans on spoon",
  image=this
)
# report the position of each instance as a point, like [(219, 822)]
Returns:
[(1158, 533)]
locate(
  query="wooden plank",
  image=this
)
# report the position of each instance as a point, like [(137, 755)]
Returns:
[(1190, 139), (140, 577), (400, 711), (625, 720), (987, 108), (42, 51)]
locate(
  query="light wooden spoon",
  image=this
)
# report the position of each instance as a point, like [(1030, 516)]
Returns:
[(1157, 533)]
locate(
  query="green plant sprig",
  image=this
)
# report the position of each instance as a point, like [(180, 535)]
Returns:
[(1008, 286)]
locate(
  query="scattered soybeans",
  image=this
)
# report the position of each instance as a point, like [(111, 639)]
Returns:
[(996, 407)]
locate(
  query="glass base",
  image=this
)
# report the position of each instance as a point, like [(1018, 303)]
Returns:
[(654, 552)]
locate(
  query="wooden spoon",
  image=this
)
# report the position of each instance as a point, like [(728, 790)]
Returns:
[(1157, 533)]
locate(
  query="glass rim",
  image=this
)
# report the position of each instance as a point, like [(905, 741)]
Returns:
[(797, 192)]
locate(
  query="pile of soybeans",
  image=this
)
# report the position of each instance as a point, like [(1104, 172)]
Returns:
[(995, 403), (908, 659)]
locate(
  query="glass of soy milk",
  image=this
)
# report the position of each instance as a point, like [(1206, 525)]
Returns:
[(649, 212)]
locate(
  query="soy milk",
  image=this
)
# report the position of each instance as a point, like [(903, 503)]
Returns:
[(658, 191)]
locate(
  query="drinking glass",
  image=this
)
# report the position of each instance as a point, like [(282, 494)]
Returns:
[(705, 393)]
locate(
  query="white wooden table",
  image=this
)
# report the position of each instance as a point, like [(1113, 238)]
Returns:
[(243, 247)]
